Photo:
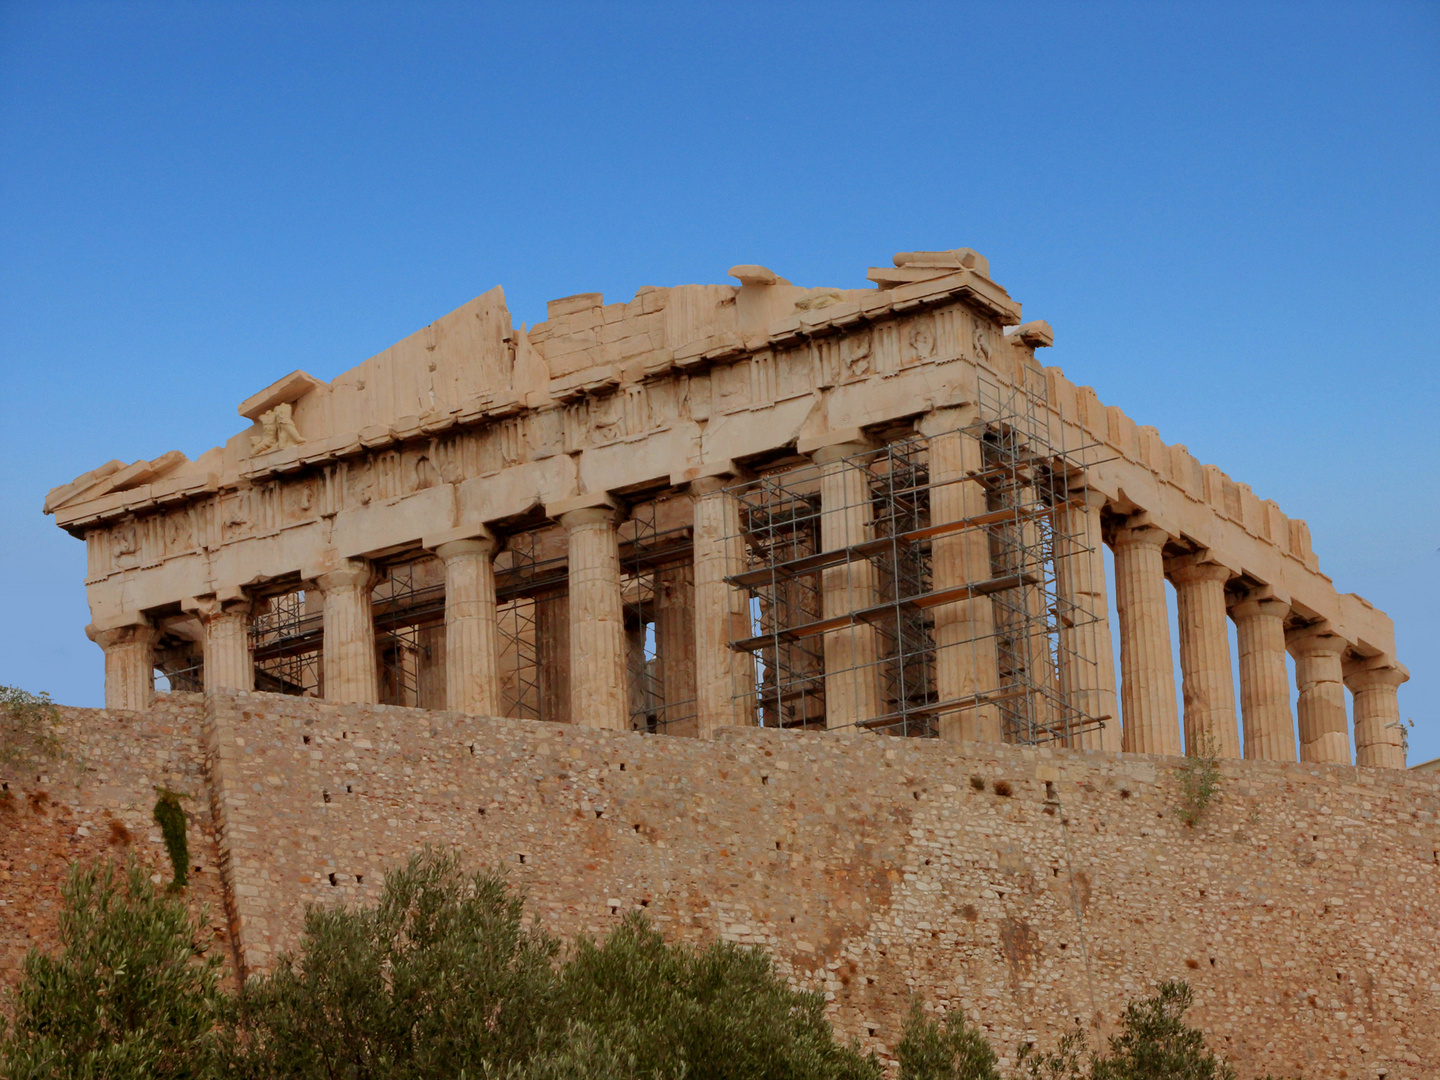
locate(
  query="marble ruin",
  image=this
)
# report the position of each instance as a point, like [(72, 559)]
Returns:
[(719, 505)]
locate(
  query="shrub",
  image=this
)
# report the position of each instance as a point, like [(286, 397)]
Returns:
[(27, 728), (1155, 1043), (954, 1050), (130, 994), (1199, 779)]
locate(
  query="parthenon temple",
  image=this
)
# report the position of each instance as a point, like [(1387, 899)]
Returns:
[(740, 504)]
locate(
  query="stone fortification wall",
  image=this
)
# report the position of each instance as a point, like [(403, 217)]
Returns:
[(96, 803), (1030, 887)]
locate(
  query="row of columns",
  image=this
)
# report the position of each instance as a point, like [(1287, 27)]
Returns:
[(588, 626)]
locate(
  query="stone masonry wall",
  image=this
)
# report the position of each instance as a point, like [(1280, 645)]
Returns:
[(98, 803), (1030, 887)]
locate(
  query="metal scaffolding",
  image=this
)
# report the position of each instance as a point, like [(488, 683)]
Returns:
[(285, 644), (841, 561)]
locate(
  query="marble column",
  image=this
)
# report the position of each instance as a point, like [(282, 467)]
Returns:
[(1264, 680), (852, 687), (1147, 670), (599, 686), (724, 679), (1379, 741), (472, 647), (129, 664), (1208, 685), (675, 647), (351, 673), (965, 646), (552, 656), (1324, 727), (228, 664), (1087, 659)]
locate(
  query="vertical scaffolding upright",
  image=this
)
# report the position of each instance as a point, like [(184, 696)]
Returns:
[(1025, 472)]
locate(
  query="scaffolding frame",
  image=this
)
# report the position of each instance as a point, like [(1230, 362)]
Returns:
[(285, 645), (876, 586)]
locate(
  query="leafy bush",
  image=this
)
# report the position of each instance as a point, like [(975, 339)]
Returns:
[(131, 994), (1155, 1043), (954, 1050), (27, 728), (443, 979)]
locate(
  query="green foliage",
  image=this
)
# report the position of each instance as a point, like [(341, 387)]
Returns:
[(170, 816), (440, 977), (443, 979), (129, 995), (1155, 1043), (955, 1050), (27, 728), (704, 1013), (1066, 1062), (1199, 779)]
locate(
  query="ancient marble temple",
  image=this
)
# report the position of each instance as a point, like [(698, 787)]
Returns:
[(737, 504)]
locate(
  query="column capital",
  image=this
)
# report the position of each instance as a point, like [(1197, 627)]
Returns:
[(458, 549), (1088, 497), (222, 602), (1250, 607), (583, 509), (830, 446), (1196, 568), (711, 474), (460, 534), (1377, 678), (1141, 534), (107, 637), (1316, 640), (349, 573), (947, 418)]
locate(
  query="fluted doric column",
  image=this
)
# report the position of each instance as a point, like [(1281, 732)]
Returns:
[(228, 664), (129, 664), (351, 672), (1379, 739), (552, 656), (599, 686), (1264, 680), (852, 688), (724, 680), (675, 647), (966, 668), (1208, 685), (1147, 670), (1324, 729), (472, 647), (1087, 658)]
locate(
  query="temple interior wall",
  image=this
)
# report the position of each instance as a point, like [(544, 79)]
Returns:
[(1030, 886)]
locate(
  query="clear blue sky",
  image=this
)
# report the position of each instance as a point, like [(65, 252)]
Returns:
[(1228, 213)]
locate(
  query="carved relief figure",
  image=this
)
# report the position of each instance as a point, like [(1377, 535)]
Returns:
[(979, 342), (277, 431), (425, 474), (179, 532), (605, 416), (358, 485), (920, 340), (124, 542), (858, 350)]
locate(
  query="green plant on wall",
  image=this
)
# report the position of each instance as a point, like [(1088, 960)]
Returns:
[(1199, 779), (27, 728), (170, 816)]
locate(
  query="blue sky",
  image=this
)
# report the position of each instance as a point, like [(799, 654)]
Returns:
[(1228, 213)]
